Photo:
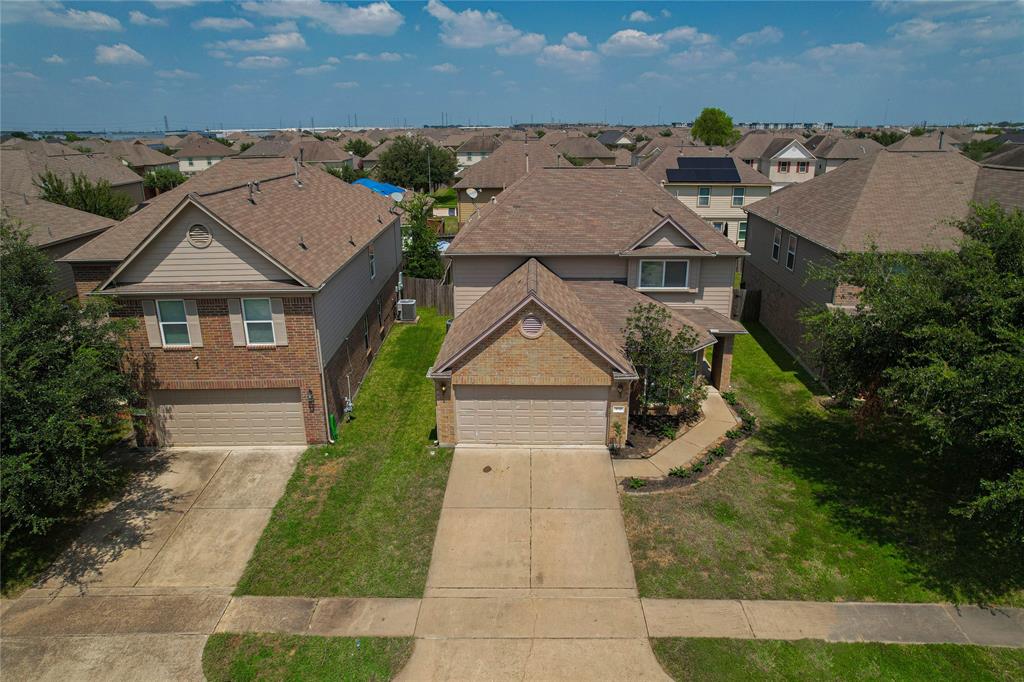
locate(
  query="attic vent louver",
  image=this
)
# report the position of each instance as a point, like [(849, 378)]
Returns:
[(531, 326), (199, 236)]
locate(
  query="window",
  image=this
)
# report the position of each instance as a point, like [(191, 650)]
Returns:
[(703, 196), (373, 262), (741, 234), (664, 274), (791, 252), (776, 244), (173, 323), (722, 227), (190, 162), (366, 332), (801, 167), (783, 166), (738, 194), (259, 322), (380, 313)]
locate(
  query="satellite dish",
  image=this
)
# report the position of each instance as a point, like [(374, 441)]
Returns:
[(396, 196), (473, 194)]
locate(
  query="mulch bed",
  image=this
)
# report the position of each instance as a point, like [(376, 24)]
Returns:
[(646, 436)]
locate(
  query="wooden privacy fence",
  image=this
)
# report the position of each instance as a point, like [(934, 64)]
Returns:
[(430, 293)]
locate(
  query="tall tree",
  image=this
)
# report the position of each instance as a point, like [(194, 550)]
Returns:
[(422, 258), (99, 198), (61, 391), (663, 359), (714, 127), (358, 146), (938, 341), (163, 179), (414, 162)]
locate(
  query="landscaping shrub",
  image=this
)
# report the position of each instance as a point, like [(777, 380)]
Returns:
[(729, 397), (733, 434)]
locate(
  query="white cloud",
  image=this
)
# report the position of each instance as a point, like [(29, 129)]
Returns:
[(140, 19), (283, 27), (768, 35), (262, 62), (576, 40), (94, 81), (376, 18), (177, 74), (687, 34), (836, 50), (314, 70), (639, 17), (665, 13), (24, 75), (447, 67), (173, 4), (656, 76), (381, 57), (528, 43), (49, 13), (632, 42), (54, 59), (346, 85), (333, 60), (221, 23), (275, 42), (702, 57), (943, 33), (472, 28), (119, 53), (578, 62)]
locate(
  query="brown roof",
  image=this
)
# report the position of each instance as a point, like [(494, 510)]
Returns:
[(309, 149), (929, 142), (134, 153), (506, 164), (900, 201), (584, 148), (579, 211), (19, 169), (1002, 184), (375, 153), (623, 157), (480, 144), (530, 281), (197, 145), (1009, 155), (50, 223), (845, 148), (335, 220), (753, 144), (655, 166)]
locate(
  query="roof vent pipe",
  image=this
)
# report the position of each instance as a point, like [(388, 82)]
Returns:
[(942, 134)]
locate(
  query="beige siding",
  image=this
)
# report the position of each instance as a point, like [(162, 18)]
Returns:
[(170, 259), (468, 207), (587, 267), (474, 276), (667, 236), (135, 190), (197, 164), (343, 300), (720, 208), (712, 279)]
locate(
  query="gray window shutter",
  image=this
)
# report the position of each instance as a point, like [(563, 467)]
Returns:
[(235, 315), (195, 332), (280, 331), (152, 325)]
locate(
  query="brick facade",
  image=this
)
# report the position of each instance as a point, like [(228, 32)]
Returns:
[(847, 295), (779, 311), (88, 277)]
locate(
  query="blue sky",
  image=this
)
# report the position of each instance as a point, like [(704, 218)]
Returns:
[(124, 65)]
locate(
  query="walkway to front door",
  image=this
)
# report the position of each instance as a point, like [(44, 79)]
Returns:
[(531, 575)]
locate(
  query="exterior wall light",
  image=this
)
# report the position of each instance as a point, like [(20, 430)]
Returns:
[(309, 399)]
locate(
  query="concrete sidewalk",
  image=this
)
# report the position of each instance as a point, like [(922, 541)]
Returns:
[(685, 450)]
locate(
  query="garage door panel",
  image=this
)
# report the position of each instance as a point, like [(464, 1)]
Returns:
[(230, 417), (527, 415)]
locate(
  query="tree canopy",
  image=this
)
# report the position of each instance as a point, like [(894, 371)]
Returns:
[(422, 258), (414, 162), (163, 179), (347, 173), (714, 127), (937, 340), (663, 359), (99, 198), (358, 146)]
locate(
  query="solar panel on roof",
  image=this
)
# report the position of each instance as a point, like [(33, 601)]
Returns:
[(704, 169)]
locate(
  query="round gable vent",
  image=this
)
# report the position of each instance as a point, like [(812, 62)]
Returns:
[(531, 326), (199, 236)]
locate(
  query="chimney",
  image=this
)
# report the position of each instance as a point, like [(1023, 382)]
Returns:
[(942, 134)]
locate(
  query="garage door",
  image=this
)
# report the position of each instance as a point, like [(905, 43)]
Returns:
[(223, 417), (532, 415)]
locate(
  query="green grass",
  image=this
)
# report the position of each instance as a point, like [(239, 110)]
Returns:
[(240, 658), (451, 224), (742, 660), (813, 509), (358, 517), (445, 198)]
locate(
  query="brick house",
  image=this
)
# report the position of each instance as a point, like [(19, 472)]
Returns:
[(262, 289), (545, 278)]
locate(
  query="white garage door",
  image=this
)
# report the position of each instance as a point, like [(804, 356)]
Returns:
[(532, 415), (230, 417)]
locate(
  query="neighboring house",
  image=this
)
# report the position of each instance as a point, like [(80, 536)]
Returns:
[(262, 292), (586, 150), (832, 152), (138, 156), (711, 183), (934, 141), (56, 229), (1010, 155), (20, 169), (545, 278), (197, 153), (624, 157), (373, 158), (892, 201), (614, 138), (476, 148), (509, 162), (325, 153), (782, 158)]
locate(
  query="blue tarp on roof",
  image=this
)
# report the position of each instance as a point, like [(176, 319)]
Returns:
[(382, 188)]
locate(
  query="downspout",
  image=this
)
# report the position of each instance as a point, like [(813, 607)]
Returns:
[(320, 367)]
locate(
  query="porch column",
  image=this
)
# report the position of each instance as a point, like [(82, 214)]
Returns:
[(721, 363)]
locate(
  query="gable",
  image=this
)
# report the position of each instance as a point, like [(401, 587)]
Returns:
[(666, 235), (170, 259), (794, 151)]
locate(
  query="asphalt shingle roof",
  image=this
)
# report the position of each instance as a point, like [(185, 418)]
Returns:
[(506, 164), (584, 148), (655, 166), (50, 223)]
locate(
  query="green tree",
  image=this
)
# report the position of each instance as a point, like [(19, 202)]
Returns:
[(540, 133), (72, 137), (358, 146), (663, 359), (168, 151), (62, 390), (20, 135), (665, 133), (937, 341), (976, 150), (416, 163), (99, 198), (245, 145), (886, 137), (714, 127), (163, 179), (422, 259), (223, 141), (573, 160), (917, 131), (347, 173)]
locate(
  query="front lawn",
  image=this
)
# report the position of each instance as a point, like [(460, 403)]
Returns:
[(744, 659), (358, 517), (810, 510), (239, 658)]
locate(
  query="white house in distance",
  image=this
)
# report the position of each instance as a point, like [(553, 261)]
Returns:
[(198, 153)]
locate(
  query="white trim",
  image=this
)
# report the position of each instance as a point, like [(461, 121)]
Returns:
[(662, 261), (703, 196), (667, 220), (776, 242), (742, 196), (791, 251), (160, 323), (270, 321)]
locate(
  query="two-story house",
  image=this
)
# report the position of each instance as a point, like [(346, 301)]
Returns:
[(476, 149), (545, 278), (262, 290), (782, 159), (197, 153), (585, 150), (890, 201), (482, 182), (710, 182), (832, 151)]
